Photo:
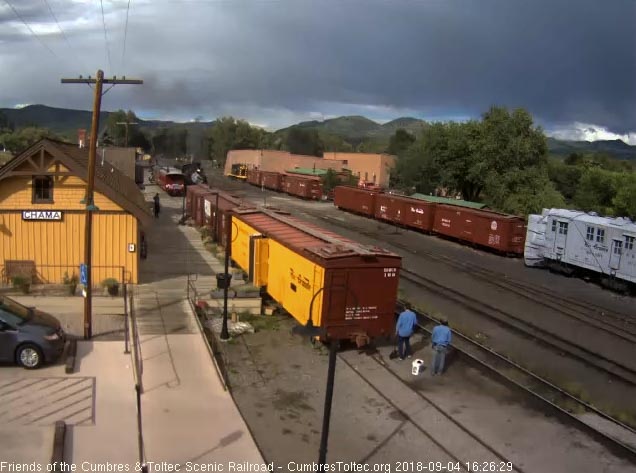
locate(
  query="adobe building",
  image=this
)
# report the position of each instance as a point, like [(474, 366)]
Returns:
[(122, 158), (368, 167), (42, 216)]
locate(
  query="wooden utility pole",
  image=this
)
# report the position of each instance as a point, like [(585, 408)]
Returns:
[(99, 81), (126, 123)]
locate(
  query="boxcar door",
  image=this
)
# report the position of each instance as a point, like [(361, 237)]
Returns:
[(615, 254)]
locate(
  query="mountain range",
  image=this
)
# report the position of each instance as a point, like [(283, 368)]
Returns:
[(352, 128)]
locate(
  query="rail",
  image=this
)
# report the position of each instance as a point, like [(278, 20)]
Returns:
[(615, 444)]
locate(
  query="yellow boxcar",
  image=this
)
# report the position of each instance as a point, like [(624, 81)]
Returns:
[(347, 289)]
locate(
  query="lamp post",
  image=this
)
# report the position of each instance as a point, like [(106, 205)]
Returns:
[(226, 277), (312, 331)]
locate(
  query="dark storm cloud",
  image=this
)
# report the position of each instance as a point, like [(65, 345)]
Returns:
[(264, 60)]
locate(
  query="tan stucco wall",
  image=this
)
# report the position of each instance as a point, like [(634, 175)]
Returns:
[(368, 166)]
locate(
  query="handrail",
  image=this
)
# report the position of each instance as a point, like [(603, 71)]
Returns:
[(138, 369)]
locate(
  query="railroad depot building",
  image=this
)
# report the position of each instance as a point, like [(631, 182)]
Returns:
[(42, 216), (371, 168)]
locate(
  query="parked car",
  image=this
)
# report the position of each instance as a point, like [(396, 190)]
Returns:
[(28, 337)]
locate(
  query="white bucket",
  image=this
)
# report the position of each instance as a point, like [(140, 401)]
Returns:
[(417, 366)]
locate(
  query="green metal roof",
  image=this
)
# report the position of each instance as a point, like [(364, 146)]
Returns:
[(446, 200), (310, 171)]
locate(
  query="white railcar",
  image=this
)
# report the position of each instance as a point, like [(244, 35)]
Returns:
[(572, 241)]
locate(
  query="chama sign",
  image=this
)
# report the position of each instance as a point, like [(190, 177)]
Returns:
[(41, 215)]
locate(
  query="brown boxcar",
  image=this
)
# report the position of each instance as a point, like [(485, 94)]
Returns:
[(305, 187), (501, 232), (217, 218), (191, 193), (271, 180), (254, 177), (355, 199), (197, 207), (405, 211), (348, 289)]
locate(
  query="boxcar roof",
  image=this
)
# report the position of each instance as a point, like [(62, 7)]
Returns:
[(305, 237), (446, 200), (307, 171), (485, 212)]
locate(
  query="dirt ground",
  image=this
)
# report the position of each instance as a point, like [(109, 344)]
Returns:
[(384, 415)]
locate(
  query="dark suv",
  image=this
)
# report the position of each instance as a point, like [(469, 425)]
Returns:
[(28, 337)]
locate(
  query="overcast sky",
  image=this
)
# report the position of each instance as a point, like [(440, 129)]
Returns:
[(277, 62)]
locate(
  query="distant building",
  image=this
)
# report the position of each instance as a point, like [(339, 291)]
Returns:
[(368, 167)]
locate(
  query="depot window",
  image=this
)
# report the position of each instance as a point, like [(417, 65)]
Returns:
[(590, 234), (42, 189), (629, 243), (600, 235)]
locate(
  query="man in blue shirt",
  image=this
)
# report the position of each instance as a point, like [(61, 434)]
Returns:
[(404, 329), (441, 339)]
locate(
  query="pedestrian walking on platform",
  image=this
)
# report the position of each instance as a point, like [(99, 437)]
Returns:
[(404, 329), (157, 206), (440, 339)]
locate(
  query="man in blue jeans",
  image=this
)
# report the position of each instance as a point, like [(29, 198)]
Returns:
[(404, 329), (441, 339)]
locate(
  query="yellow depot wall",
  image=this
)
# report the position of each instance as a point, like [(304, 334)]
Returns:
[(16, 193), (307, 277), (58, 247), (112, 233)]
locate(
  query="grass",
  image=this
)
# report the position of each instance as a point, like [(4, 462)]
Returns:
[(260, 322)]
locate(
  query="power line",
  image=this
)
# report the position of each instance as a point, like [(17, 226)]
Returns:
[(30, 29), (60, 26), (123, 55), (110, 64)]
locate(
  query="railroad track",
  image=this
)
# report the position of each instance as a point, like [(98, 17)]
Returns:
[(468, 446), (615, 323), (537, 387), (528, 329)]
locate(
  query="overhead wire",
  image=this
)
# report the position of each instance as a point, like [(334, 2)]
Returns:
[(123, 54), (110, 64), (30, 29), (68, 42)]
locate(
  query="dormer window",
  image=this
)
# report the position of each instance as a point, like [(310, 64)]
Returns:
[(42, 189)]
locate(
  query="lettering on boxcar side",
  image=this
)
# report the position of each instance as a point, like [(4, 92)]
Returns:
[(361, 313), (390, 272)]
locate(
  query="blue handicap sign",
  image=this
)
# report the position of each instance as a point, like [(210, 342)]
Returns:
[(83, 274)]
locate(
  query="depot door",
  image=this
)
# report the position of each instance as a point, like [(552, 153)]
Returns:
[(616, 253)]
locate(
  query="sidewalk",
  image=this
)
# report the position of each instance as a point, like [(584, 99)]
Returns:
[(187, 415)]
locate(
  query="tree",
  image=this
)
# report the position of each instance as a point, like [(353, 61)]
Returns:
[(228, 133), (399, 142), (564, 177), (624, 202), (304, 141), (596, 191), (523, 192), (20, 139)]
